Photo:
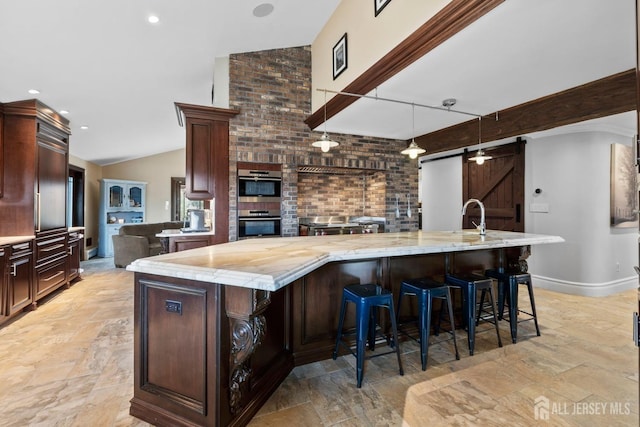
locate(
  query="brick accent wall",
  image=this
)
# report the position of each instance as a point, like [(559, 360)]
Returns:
[(272, 90), (341, 195)]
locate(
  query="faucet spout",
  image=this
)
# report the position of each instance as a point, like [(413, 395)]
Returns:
[(482, 228)]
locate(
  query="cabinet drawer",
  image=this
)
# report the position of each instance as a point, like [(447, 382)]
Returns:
[(50, 276), (19, 249), (50, 247)]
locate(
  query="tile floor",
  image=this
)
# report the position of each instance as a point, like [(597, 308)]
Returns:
[(70, 363)]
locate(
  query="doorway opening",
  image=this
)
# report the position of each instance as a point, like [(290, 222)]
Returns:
[(75, 197)]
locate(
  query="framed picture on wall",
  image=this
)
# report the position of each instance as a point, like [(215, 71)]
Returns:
[(624, 187), (379, 5), (340, 56)]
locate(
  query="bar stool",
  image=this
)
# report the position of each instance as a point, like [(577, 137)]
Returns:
[(426, 290), (508, 284), (469, 285), (366, 298)]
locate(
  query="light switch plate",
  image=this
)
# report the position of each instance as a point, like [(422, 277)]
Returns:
[(539, 207)]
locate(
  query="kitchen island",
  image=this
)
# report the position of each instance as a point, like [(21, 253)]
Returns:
[(217, 329)]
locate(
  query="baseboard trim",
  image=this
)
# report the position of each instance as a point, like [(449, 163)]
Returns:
[(586, 289), (91, 253)]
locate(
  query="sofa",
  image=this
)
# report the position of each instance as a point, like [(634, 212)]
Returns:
[(135, 241)]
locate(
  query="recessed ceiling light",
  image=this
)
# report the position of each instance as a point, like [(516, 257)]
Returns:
[(64, 112), (83, 127), (263, 10), (33, 91), (153, 19)]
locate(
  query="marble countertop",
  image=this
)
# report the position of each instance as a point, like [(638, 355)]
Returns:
[(10, 240), (272, 263)]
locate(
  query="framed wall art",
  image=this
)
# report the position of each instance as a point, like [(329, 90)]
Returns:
[(624, 187), (379, 5), (340, 56)]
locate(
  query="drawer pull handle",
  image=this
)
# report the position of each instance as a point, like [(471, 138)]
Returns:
[(52, 248), (50, 278), (14, 269)]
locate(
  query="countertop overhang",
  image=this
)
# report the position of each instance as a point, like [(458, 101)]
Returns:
[(272, 263)]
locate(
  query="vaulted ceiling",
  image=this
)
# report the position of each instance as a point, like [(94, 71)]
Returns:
[(119, 75), (524, 66)]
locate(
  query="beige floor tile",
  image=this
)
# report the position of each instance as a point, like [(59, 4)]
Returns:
[(70, 363)]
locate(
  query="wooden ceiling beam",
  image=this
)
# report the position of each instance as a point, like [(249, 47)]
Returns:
[(450, 20), (604, 97)]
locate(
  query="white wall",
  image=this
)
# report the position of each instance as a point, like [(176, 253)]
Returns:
[(441, 194), (573, 172)]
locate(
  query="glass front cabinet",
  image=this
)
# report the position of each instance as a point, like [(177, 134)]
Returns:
[(121, 202)]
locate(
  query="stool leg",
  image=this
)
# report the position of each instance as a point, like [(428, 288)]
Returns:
[(398, 306), (470, 315), (453, 328), (513, 308), (533, 306), (480, 305), (340, 326), (425, 305), (362, 330), (373, 321), (394, 328), (495, 316), (502, 290)]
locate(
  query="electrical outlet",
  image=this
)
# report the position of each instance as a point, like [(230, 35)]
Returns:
[(539, 207)]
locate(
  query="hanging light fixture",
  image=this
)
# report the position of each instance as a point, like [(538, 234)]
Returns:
[(413, 149), (325, 143), (480, 157)]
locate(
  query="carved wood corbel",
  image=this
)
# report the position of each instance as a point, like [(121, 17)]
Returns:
[(244, 308)]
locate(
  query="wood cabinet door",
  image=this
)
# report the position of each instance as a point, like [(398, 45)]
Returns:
[(207, 157), (51, 186), (20, 282)]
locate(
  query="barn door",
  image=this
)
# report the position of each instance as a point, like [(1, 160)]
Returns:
[(499, 185)]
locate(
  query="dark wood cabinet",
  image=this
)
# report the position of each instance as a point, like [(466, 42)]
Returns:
[(20, 278), (36, 146), (51, 253), (1, 151), (51, 177), (4, 292), (183, 243), (207, 162), (35, 142)]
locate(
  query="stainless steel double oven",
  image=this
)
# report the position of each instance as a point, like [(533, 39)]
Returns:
[(259, 200)]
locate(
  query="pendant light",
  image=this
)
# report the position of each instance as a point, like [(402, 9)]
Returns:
[(325, 143), (480, 157), (413, 149)]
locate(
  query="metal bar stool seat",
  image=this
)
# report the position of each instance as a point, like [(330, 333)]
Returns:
[(508, 284), (426, 290), (366, 298), (470, 284)]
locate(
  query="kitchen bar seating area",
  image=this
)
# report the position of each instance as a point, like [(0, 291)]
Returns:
[(567, 364), (252, 312)]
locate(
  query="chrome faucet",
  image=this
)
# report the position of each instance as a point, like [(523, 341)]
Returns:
[(482, 228)]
